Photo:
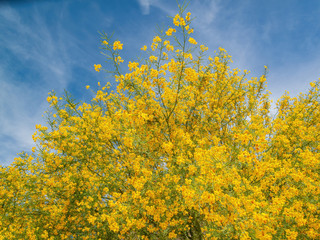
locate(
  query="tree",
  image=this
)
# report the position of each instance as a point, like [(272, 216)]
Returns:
[(184, 148)]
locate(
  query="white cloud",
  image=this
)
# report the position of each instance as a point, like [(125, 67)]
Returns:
[(205, 12), (36, 45), (22, 98), (294, 77), (20, 111), (168, 6), (145, 6), (9, 14), (39, 57)]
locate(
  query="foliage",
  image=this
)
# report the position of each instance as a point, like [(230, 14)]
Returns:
[(184, 148)]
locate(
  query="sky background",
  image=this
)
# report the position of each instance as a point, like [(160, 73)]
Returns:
[(53, 45)]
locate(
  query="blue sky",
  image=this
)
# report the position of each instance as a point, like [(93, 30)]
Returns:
[(53, 45)]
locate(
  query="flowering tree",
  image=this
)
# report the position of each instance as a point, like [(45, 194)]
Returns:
[(184, 148)]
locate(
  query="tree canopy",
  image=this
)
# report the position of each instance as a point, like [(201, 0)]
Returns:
[(184, 147)]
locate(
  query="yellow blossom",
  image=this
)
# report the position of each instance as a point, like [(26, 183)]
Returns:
[(190, 31), (154, 46), (144, 48), (203, 48), (156, 39), (170, 31), (169, 47), (97, 67), (117, 45), (182, 22), (118, 60), (172, 235), (153, 58), (188, 16), (312, 84), (192, 41), (176, 20), (177, 146)]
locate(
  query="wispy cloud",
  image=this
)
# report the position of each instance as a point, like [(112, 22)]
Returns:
[(35, 44), (42, 50), (23, 91), (20, 111), (145, 6), (294, 78)]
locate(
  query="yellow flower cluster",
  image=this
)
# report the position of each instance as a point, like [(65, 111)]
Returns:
[(188, 17), (154, 46), (97, 67), (192, 41), (153, 58), (118, 60), (170, 31), (117, 45), (176, 20), (203, 48), (183, 23), (144, 48), (156, 39), (182, 148)]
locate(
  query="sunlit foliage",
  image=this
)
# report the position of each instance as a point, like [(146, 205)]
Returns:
[(184, 148)]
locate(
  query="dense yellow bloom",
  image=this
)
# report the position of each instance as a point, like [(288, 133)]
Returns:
[(97, 67), (192, 41), (291, 235), (153, 58), (170, 31), (169, 47), (133, 65), (117, 45), (182, 22), (172, 235), (156, 39), (176, 20), (181, 147)]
